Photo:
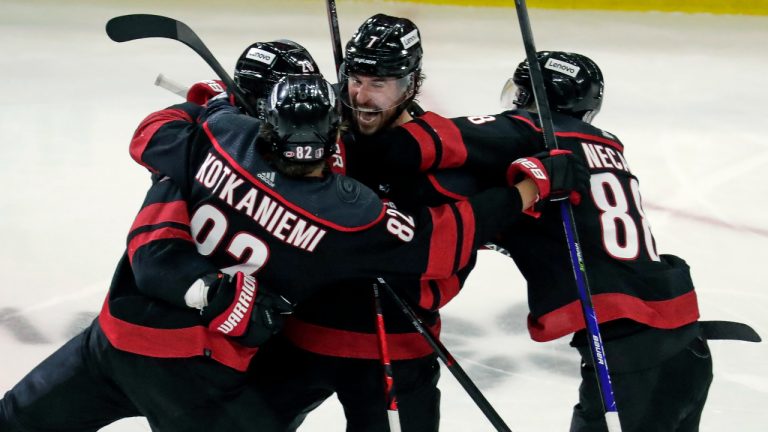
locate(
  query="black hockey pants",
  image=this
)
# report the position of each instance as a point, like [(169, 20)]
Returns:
[(298, 381), (87, 384), (660, 380)]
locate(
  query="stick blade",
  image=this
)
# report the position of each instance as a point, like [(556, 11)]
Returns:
[(729, 330), (139, 26)]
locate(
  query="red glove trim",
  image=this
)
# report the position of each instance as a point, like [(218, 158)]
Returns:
[(202, 91), (533, 169), (234, 320)]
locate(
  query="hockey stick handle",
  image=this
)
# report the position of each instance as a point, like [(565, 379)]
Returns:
[(172, 86), (577, 261), (333, 25), (390, 394), (141, 26), (448, 360)]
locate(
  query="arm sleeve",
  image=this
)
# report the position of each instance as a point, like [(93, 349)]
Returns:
[(162, 253), (164, 139), (483, 144), (437, 243)]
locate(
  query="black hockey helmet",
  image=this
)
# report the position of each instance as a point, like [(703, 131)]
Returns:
[(384, 46), (262, 65), (574, 84), (303, 114)]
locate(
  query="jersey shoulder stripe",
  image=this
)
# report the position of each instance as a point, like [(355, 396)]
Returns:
[(337, 202)]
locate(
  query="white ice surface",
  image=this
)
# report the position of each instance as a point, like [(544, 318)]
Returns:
[(685, 93)]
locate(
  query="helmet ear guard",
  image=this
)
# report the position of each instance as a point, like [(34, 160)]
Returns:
[(303, 114), (573, 82)]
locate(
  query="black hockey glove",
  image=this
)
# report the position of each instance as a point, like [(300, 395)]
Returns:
[(241, 308), (558, 174)]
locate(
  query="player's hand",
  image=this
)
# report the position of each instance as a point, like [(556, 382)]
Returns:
[(558, 175), (202, 91), (568, 175), (241, 308)]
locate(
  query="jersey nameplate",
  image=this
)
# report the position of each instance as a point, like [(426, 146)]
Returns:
[(245, 197)]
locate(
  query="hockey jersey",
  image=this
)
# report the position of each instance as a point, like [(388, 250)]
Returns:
[(299, 236), (628, 278), (341, 322)]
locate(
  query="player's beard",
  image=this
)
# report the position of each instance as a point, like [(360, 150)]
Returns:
[(369, 123)]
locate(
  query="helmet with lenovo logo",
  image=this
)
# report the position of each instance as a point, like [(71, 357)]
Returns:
[(263, 64), (573, 82)]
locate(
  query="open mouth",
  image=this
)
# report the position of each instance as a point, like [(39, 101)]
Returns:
[(367, 117)]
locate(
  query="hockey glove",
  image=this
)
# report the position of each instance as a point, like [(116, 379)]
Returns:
[(202, 91), (243, 310), (558, 174)]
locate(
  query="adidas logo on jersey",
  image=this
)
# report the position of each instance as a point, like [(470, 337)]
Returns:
[(267, 177)]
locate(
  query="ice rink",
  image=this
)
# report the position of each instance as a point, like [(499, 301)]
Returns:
[(686, 93)]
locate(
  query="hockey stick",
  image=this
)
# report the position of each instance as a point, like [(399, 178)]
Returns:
[(141, 26), (393, 415), (389, 385), (333, 25), (577, 260), (170, 85), (448, 360)]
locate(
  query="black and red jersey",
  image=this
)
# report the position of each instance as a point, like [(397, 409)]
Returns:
[(340, 322), (299, 236), (627, 276)]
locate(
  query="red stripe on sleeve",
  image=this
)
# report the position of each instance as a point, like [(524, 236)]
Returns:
[(426, 144), (442, 245), (173, 343), (442, 190), (449, 288), (149, 127), (175, 211), (454, 149), (468, 230), (588, 137), (426, 298), (158, 234)]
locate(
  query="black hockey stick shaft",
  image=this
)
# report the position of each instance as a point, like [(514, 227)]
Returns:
[(569, 225), (141, 26), (333, 25), (448, 360), (390, 394)]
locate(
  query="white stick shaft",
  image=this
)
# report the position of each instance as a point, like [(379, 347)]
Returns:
[(170, 85), (612, 420), (394, 420)]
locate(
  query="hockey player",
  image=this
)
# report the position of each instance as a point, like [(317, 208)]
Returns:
[(656, 348), (150, 354), (329, 345), (424, 239)]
